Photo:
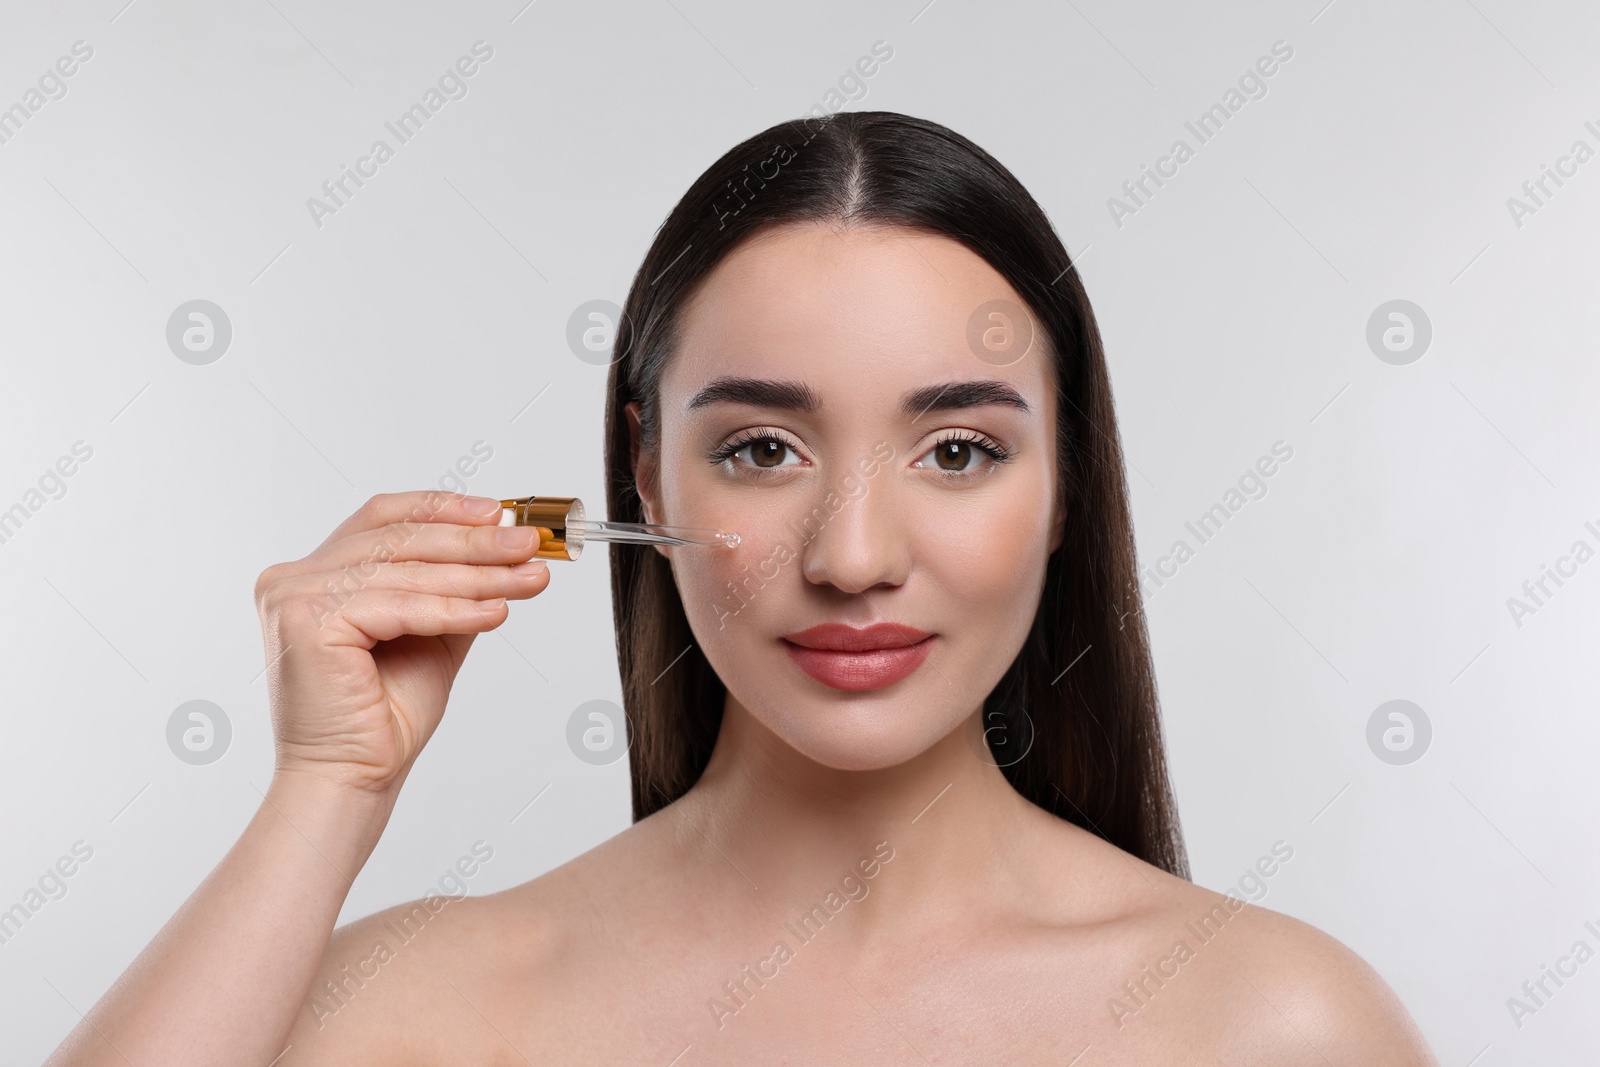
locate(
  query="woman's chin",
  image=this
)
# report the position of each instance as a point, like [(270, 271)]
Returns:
[(857, 746)]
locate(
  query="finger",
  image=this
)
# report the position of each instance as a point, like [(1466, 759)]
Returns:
[(519, 582), (431, 542), (421, 506), (385, 614)]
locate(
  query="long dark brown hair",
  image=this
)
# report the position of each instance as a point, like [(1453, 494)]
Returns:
[(1094, 751)]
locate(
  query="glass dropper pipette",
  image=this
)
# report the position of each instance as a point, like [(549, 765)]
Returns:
[(563, 517)]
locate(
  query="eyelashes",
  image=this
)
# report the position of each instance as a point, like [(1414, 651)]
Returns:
[(723, 455), (728, 449)]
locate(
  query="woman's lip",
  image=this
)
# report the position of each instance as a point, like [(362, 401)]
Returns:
[(839, 637), (859, 670)]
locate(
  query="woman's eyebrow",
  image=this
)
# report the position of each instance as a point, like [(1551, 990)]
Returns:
[(953, 396), (758, 392), (798, 396)]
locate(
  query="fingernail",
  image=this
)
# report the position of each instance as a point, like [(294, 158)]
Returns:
[(481, 505), (489, 607), (533, 566)]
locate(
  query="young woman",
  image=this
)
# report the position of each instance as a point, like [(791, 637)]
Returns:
[(898, 779)]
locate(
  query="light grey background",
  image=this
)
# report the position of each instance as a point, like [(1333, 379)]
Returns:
[(431, 313)]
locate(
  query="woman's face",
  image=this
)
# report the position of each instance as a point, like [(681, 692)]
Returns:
[(822, 405)]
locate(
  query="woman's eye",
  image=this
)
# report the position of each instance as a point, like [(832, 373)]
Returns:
[(765, 453), (960, 455)]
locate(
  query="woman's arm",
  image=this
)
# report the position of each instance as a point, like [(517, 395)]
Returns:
[(364, 637), (225, 978)]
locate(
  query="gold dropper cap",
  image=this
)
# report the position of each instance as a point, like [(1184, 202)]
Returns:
[(553, 513)]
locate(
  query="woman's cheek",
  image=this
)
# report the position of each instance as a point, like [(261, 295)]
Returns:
[(708, 577), (1004, 550), (707, 583), (723, 588)]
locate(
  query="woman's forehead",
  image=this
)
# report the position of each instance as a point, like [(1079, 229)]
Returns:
[(876, 308), (847, 279)]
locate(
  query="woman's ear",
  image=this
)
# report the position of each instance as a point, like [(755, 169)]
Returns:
[(1059, 525), (644, 470), (643, 465)]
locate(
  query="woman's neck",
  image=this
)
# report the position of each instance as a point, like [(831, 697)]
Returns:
[(960, 835)]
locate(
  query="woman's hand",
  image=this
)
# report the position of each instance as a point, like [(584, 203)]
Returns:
[(364, 636)]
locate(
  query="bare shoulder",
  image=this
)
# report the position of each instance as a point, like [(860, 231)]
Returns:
[(1338, 1006), (1294, 994), (1185, 970), (381, 993), (431, 980)]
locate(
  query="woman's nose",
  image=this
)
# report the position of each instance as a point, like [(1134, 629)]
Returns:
[(857, 540)]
